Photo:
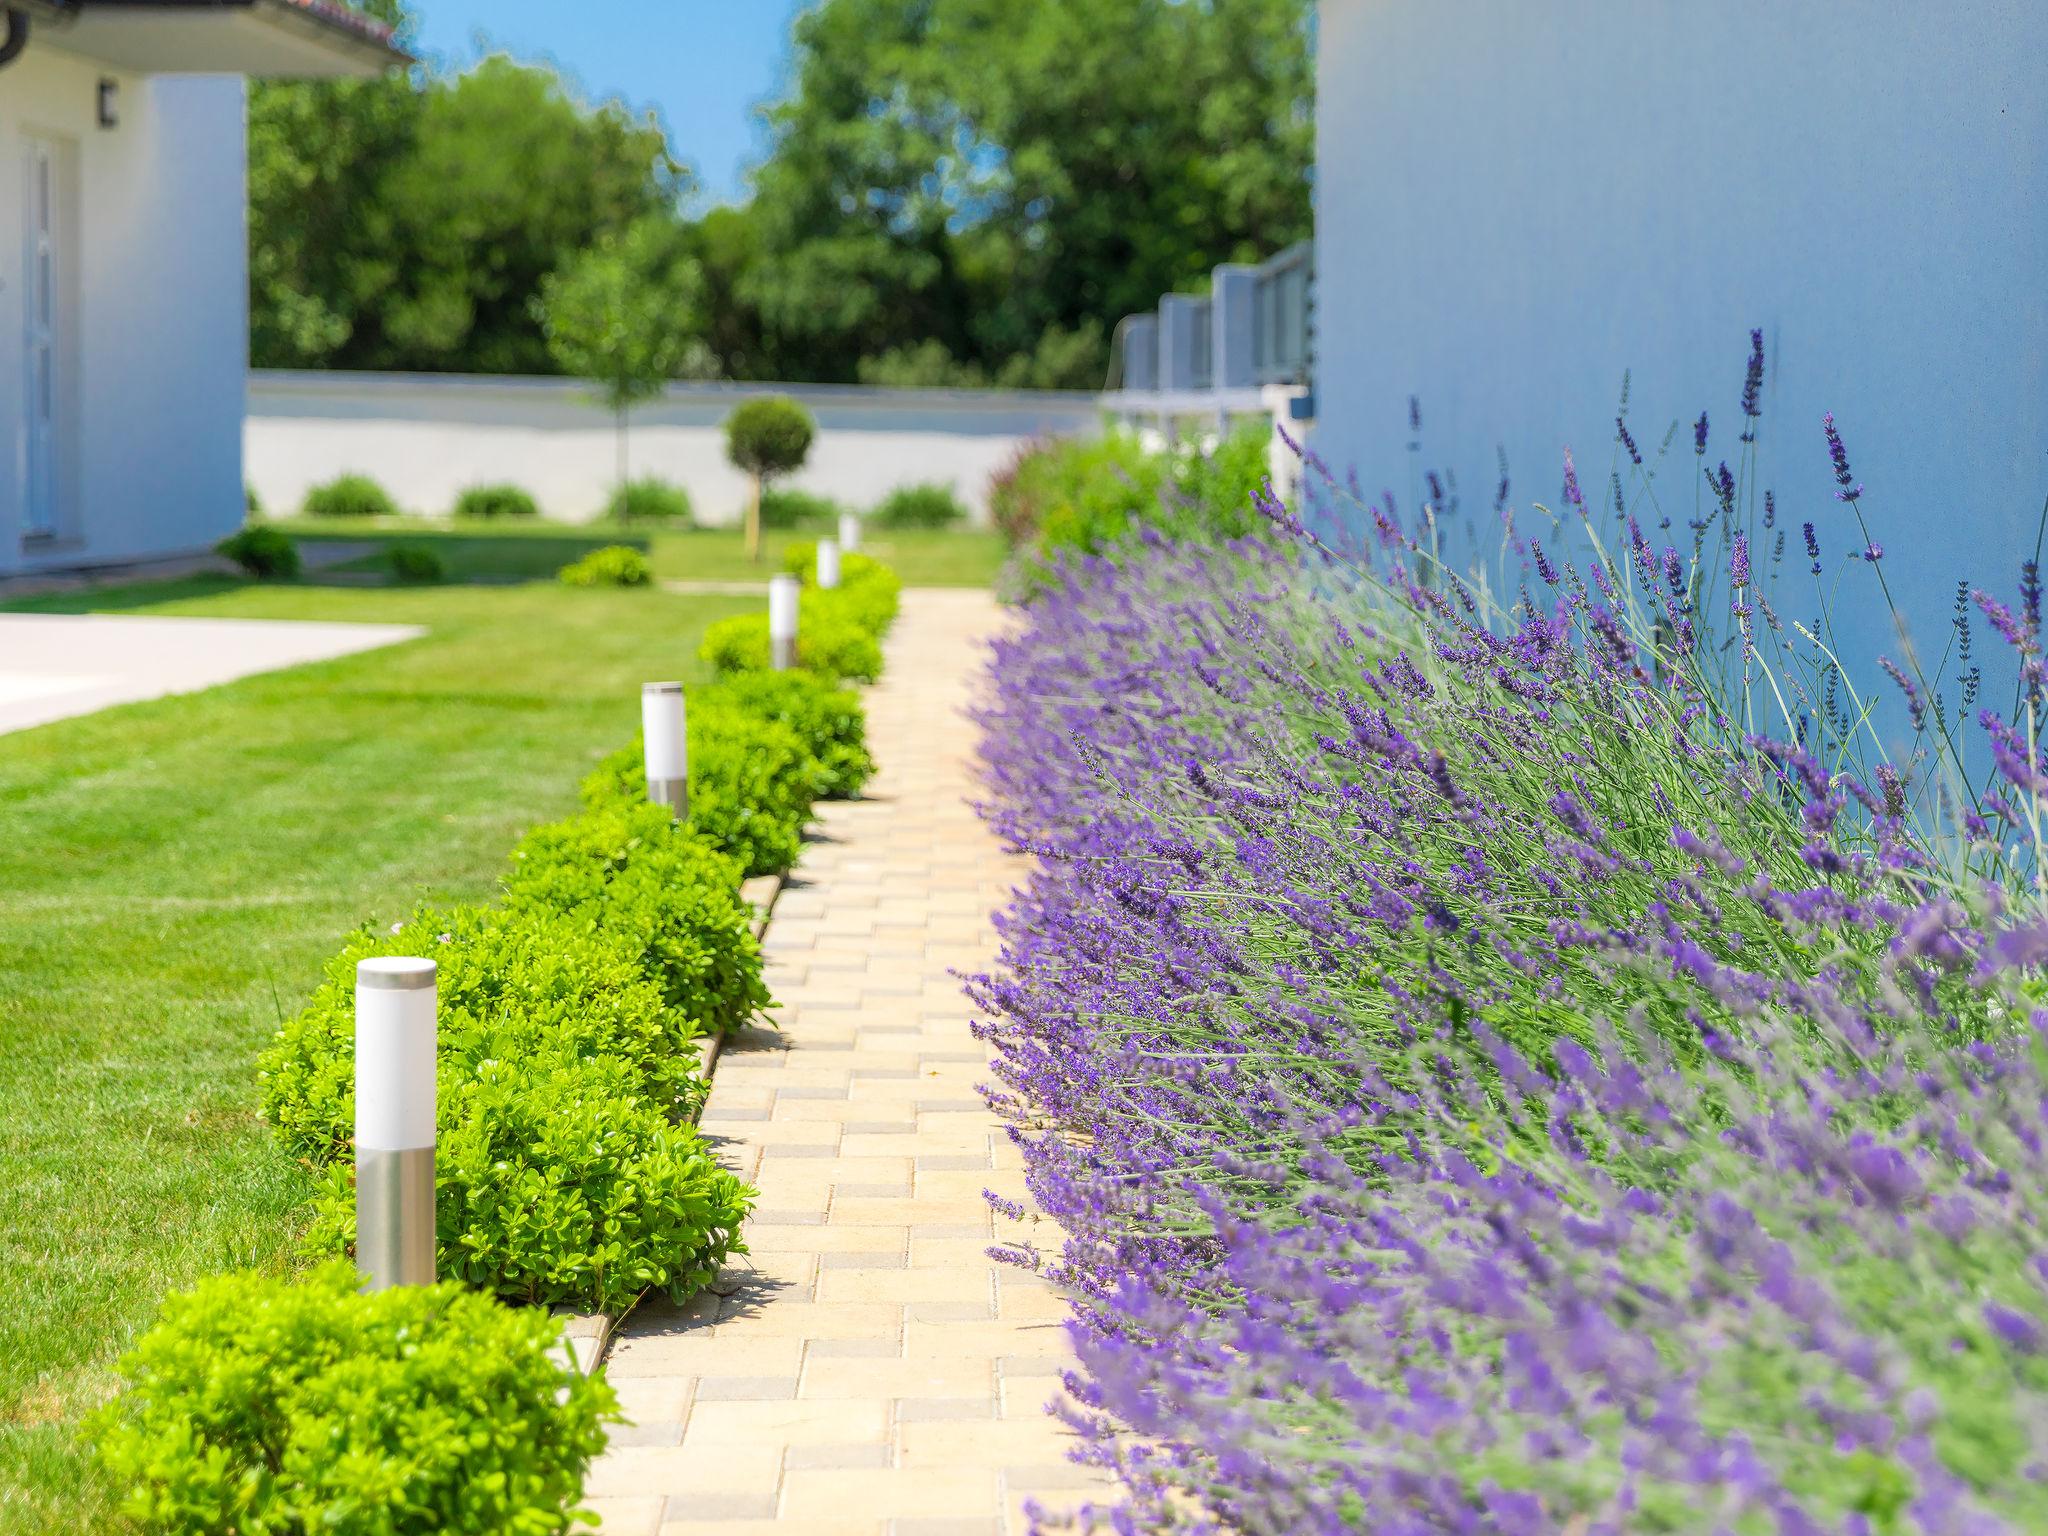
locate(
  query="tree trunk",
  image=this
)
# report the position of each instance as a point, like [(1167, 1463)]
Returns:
[(624, 468), (754, 522)]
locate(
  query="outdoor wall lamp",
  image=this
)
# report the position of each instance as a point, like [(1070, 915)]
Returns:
[(110, 103)]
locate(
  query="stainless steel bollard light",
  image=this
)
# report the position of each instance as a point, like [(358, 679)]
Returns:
[(663, 728), (828, 564), (782, 605), (849, 532), (395, 1003)]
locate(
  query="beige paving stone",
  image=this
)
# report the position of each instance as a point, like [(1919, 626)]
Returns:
[(871, 1370), (892, 1493)]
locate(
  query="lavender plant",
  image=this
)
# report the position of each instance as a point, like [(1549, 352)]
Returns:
[(1483, 1079)]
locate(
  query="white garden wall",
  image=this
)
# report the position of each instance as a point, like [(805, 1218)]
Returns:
[(428, 436)]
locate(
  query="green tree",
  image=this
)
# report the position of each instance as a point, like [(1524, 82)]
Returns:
[(624, 315), (767, 437), (409, 222), (1007, 178)]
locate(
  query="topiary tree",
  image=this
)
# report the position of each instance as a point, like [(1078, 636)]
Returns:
[(624, 315), (767, 437)]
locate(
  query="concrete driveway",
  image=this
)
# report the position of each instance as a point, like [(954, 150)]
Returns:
[(53, 666)]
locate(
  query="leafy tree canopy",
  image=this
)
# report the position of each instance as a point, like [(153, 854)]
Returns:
[(956, 192)]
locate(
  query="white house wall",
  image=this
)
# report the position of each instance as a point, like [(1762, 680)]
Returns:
[(159, 341), (428, 437), (1517, 201)]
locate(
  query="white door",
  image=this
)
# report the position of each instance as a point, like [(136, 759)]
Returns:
[(40, 290)]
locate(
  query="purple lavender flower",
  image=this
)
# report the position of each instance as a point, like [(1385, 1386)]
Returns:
[(1699, 435), (1839, 456), (1752, 385), (1628, 441), (1812, 547)]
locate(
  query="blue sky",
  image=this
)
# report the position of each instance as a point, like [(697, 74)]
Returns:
[(703, 64)]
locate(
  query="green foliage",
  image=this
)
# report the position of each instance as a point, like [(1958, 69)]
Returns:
[(1087, 494), (624, 313), (416, 563), (350, 496), (485, 501), (829, 721), (616, 565), (650, 501), (829, 643), (1036, 170), (409, 222), (921, 506), (786, 507), (254, 501), (629, 872), (564, 1172), (525, 984), (769, 436), (265, 1405), (265, 553), (752, 782)]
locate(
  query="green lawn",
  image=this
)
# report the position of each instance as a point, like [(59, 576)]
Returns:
[(502, 550), (174, 874)]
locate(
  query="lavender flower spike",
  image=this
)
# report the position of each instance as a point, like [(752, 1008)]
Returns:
[(1850, 490)]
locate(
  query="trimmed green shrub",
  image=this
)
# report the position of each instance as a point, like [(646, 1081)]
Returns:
[(751, 786), (783, 507), (869, 592), (630, 872), (829, 721), (564, 1173), (920, 506), (769, 436), (496, 501), (517, 984), (264, 1405), (556, 1182), (265, 553), (350, 496), (830, 643), (616, 565), (649, 501), (254, 502), (418, 564)]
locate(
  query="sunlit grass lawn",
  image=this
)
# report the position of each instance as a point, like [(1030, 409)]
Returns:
[(174, 873), (952, 557)]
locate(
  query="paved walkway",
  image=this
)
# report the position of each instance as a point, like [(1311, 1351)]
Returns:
[(873, 1373), (54, 666)]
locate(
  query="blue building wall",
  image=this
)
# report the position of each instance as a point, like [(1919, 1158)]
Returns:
[(1517, 201)]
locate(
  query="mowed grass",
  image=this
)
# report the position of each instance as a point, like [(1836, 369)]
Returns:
[(503, 550), (172, 876)]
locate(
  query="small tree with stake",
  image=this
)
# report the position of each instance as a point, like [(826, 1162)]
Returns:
[(624, 315), (767, 438)]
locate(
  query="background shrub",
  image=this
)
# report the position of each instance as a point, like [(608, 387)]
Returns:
[(350, 496), (751, 786), (920, 506), (628, 871), (264, 552), (829, 642), (616, 565), (265, 1405), (787, 507), (649, 500), (496, 501), (254, 502), (416, 563)]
